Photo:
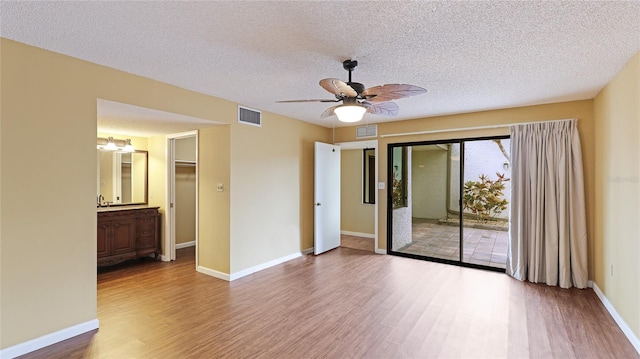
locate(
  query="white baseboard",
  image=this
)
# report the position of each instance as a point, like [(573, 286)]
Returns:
[(251, 270), (185, 244), (213, 273), (621, 323), (381, 251), (358, 234), (259, 267), (49, 339)]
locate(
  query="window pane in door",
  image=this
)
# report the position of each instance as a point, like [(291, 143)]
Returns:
[(486, 193)]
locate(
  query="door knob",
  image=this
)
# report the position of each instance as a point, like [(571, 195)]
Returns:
[(318, 204)]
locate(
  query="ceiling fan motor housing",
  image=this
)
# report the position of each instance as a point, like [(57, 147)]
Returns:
[(356, 86), (349, 65)]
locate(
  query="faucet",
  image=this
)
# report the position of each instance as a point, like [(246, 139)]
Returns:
[(100, 199)]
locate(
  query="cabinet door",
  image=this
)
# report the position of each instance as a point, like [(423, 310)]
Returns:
[(123, 235), (103, 238)]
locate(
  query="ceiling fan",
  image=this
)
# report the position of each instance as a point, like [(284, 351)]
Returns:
[(356, 100)]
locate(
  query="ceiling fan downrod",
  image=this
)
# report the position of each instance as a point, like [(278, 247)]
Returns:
[(349, 65)]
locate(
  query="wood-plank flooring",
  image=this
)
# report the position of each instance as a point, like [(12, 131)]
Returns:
[(342, 304), (356, 242)]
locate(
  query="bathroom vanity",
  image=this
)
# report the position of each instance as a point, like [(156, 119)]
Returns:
[(127, 232)]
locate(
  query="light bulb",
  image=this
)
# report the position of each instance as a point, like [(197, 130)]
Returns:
[(350, 113), (128, 147), (110, 146)]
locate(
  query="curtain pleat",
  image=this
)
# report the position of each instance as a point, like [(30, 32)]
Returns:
[(548, 236)]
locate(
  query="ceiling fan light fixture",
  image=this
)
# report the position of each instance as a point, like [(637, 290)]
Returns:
[(350, 113)]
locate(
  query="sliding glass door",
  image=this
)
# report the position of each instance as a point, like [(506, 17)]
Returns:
[(448, 201)]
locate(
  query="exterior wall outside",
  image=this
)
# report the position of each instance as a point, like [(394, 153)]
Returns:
[(481, 157), (402, 217), (429, 183)]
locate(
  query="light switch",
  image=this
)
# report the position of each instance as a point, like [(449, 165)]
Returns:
[(220, 187), (380, 185)]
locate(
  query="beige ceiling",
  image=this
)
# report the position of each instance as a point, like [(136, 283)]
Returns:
[(470, 56)]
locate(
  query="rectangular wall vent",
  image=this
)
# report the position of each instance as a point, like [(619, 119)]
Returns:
[(367, 131), (249, 116)]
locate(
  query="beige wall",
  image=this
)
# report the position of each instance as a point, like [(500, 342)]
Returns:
[(355, 216), (617, 202), (185, 204), (185, 187), (213, 206), (186, 148), (582, 110), (271, 189), (48, 271)]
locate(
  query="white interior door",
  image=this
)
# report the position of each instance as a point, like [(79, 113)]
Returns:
[(326, 197)]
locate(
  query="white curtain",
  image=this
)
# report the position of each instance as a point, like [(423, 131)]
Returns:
[(548, 232)]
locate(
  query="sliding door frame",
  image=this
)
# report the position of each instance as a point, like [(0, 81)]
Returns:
[(461, 142)]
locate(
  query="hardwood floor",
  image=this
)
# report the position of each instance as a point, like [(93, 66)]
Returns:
[(356, 242), (342, 304)]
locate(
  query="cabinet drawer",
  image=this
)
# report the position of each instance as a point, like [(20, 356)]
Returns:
[(142, 232), (145, 242), (146, 214), (145, 221)]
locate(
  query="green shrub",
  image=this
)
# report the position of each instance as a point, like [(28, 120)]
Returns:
[(485, 198)]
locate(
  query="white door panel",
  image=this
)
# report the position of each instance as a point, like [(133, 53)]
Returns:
[(327, 197)]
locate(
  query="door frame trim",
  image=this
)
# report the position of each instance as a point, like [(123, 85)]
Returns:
[(361, 145), (390, 250), (170, 221)]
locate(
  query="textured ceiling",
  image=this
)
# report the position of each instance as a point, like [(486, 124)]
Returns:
[(470, 56)]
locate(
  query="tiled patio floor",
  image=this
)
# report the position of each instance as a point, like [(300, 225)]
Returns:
[(481, 246)]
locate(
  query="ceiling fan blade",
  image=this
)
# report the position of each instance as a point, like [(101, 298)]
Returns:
[(338, 88), (328, 112), (316, 100), (390, 92), (383, 108)]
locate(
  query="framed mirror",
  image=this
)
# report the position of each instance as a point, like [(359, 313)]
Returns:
[(368, 176), (122, 178)]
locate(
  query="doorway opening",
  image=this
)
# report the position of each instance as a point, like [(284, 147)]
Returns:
[(448, 201), (359, 195), (182, 193)]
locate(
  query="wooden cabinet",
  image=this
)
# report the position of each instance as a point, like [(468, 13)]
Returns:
[(127, 233)]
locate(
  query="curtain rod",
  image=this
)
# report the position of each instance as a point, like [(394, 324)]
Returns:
[(467, 128)]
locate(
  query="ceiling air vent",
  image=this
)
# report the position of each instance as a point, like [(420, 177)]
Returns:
[(249, 116), (367, 131)]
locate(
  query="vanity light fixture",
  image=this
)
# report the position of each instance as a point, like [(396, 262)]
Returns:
[(128, 147), (111, 144)]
